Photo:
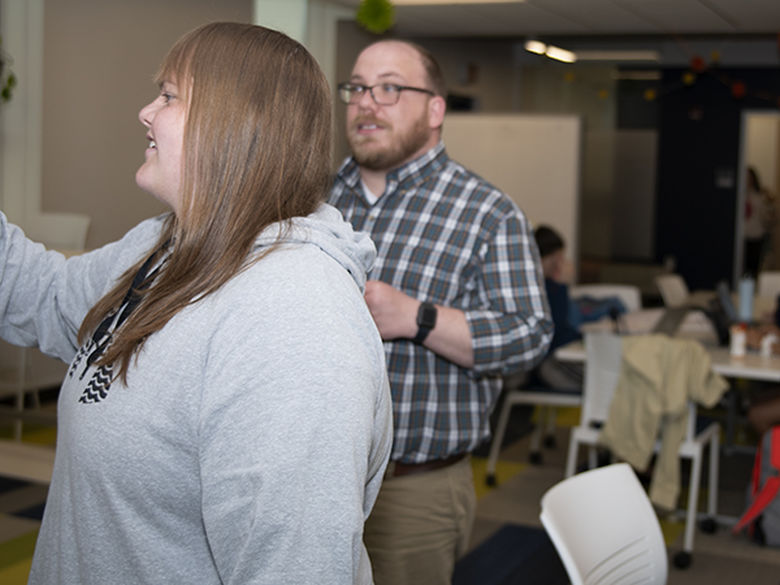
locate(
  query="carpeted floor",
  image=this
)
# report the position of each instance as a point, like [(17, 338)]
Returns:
[(509, 546), (21, 504), (21, 509), (719, 558)]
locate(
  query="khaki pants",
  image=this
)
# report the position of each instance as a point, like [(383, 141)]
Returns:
[(420, 525)]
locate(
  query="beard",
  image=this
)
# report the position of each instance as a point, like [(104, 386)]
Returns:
[(404, 145)]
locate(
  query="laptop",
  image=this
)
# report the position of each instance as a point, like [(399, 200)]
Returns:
[(670, 320), (722, 312)]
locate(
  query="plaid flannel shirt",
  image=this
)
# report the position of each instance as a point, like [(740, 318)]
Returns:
[(446, 236)]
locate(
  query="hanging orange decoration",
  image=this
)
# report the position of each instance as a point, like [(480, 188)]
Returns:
[(738, 89), (698, 64), (650, 95), (715, 57), (603, 94), (568, 76), (688, 78)]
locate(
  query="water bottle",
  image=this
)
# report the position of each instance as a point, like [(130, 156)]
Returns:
[(746, 292)]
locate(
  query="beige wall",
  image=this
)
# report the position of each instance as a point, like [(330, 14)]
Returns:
[(99, 60)]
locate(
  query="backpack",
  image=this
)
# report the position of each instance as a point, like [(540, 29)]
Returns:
[(762, 518)]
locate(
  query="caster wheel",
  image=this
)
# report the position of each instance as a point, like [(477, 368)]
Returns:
[(535, 458), (682, 560), (708, 525), (550, 442), (490, 480)]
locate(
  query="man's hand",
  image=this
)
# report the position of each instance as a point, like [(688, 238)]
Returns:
[(394, 312), (395, 315)]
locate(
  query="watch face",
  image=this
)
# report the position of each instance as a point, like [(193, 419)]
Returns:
[(426, 316)]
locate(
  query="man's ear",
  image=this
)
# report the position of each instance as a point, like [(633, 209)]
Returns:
[(437, 107)]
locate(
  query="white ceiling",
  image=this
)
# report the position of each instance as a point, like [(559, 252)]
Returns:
[(589, 17)]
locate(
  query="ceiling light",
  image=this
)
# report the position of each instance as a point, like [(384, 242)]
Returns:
[(559, 54), (619, 55), (537, 47)]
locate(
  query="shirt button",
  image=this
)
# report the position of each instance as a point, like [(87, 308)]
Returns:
[(373, 214)]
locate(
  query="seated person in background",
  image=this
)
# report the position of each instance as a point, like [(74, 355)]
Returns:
[(764, 414), (557, 271), (567, 314), (764, 403)]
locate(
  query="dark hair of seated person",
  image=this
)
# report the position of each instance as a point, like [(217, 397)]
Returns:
[(547, 240)]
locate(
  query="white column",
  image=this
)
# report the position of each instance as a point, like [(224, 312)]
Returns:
[(21, 25), (311, 22), (322, 37), (287, 16), (21, 132)]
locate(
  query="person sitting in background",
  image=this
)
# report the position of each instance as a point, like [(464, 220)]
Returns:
[(206, 432), (568, 314), (764, 401), (764, 414), (557, 272)]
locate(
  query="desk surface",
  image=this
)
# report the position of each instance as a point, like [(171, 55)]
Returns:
[(751, 366)]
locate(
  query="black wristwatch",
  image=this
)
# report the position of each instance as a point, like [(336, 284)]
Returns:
[(426, 321)]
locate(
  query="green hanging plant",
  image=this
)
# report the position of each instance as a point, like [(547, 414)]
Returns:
[(376, 16), (7, 77)]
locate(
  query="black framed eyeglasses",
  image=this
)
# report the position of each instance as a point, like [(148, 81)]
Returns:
[(383, 94)]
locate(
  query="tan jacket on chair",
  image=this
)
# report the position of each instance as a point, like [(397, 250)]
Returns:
[(658, 376)]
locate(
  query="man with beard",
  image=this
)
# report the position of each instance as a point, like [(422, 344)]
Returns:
[(456, 293)]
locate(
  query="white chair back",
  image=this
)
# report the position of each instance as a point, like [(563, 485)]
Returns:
[(629, 294), (673, 289), (605, 529), (604, 353)]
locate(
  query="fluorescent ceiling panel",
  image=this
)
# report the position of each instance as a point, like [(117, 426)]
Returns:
[(618, 55)]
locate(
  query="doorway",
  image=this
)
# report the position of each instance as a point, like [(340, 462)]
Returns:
[(759, 149)]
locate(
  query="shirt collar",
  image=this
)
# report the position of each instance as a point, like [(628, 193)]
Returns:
[(410, 173)]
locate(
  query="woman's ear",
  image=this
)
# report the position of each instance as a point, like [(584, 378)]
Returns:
[(437, 107)]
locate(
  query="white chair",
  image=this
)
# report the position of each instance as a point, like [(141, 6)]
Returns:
[(548, 400), (545, 398), (768, 285), (674, 292), (602, 369), (628, 293), (604, 528)]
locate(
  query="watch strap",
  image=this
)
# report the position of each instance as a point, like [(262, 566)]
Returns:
[(426, 321)]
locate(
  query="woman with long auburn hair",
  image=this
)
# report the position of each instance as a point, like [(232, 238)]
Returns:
[(226, 415)]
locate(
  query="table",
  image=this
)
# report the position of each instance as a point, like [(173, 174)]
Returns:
[(751, 366), (696, 326)]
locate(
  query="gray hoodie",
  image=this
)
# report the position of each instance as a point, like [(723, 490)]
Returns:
[(249, 443)]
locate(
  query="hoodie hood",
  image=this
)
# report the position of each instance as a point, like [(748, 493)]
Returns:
[(326, 229)]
